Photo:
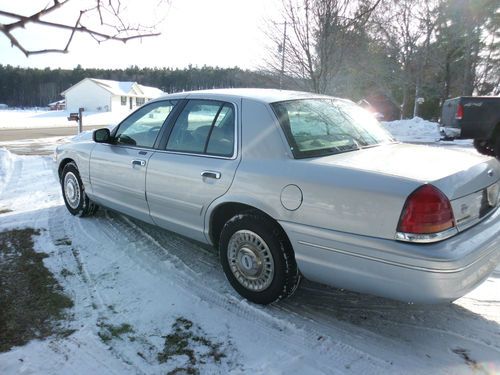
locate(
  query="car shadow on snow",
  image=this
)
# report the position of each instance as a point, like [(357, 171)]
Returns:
[(454, 331), (445, 335)]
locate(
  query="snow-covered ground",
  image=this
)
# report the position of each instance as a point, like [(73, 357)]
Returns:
[(25, 119), (122, 272)]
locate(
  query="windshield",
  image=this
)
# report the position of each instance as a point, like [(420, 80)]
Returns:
[(318, 127)]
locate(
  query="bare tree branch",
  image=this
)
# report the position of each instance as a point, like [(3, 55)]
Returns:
[(120, 30), (318, 38)]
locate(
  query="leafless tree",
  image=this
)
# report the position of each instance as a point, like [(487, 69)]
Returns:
[(398, 25), (109, 14), (313, 48)]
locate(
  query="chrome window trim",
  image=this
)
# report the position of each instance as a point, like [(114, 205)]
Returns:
[(235, 155), (426, 238)]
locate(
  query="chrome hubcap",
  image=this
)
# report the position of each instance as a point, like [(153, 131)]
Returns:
[(250, 260), (71, 190)]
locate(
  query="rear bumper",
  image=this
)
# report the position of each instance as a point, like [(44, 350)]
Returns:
[(419, 273), (452, 132)]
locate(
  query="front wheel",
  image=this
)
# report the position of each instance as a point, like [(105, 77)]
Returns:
[(257, 258), (77, 202)]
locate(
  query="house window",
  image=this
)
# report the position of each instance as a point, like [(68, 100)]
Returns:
[(124, 100), (139, 101)]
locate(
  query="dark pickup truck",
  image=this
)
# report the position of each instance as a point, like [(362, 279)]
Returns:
[(474, 117)]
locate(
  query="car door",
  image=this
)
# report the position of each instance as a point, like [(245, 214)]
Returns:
[(118, 170), (195, 165)]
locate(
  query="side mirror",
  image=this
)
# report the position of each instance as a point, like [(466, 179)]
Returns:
[(101, 136)]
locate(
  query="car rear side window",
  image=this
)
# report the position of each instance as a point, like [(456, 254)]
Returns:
[(318, 127), (204, 127), (142, 127)]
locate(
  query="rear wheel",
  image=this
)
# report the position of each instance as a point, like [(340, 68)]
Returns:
[(257, 258), (484, 147), (77, 202)]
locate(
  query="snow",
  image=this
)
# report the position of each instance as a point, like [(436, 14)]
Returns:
[(27, 119), (5, 166), (413, 130), (38, 146), (122, 271), (126, 88)]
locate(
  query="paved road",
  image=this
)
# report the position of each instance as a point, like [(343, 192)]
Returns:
[(35, 133)]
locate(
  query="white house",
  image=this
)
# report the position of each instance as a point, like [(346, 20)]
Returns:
[(95, 95)]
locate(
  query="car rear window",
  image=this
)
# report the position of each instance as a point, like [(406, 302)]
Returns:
[(318, 127)]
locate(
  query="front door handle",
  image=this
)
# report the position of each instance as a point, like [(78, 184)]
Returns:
[(211, 174), (140, 163)]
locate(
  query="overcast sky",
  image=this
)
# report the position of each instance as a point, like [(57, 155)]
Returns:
[(223, 33)]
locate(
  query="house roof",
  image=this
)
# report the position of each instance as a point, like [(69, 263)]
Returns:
[(122, 88), (62, 101)]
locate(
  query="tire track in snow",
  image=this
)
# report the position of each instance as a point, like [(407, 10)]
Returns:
[(11, 180), (159, 252), (58, 230), (303, 318)]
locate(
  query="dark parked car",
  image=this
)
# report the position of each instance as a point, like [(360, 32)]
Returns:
[(474, 117)]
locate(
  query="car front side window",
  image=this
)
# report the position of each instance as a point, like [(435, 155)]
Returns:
[(142, 127)]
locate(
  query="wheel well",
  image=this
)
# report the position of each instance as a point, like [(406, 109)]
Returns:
[(62, 165), (223, 213)]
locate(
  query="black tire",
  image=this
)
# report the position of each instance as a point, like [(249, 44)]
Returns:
[(483, 147), (73, 191), (252, 226)]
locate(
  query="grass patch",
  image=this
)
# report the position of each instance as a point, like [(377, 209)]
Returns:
[(108, 332), (190, 341), (66, 273), (63, 241), (31, 299)]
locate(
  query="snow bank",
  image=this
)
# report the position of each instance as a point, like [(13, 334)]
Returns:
[(27, 119), (413, 130), (6, 165)]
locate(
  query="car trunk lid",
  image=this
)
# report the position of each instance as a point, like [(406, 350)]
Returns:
[(471, 182)]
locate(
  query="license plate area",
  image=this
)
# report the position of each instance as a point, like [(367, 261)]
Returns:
[(472, 208)]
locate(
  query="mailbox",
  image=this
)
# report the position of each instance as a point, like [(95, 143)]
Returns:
[(73, 116)]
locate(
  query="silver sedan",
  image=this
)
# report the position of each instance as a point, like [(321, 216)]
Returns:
[(288, 184)]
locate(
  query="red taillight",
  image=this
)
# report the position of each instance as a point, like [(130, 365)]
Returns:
[(460, 112), (427, 210)]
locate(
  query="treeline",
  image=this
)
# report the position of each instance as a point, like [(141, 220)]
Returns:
[(404, 57), (391, 51), (26, 87)]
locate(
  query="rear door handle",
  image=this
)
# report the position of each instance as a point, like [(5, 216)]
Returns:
[(211, 174), (140, 163)]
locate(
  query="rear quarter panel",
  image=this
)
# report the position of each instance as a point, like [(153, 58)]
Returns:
[(335, 198)]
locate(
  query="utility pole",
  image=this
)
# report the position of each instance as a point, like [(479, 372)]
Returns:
[(283, 46)]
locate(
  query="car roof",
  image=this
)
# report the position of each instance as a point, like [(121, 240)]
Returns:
[(261, 95)]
